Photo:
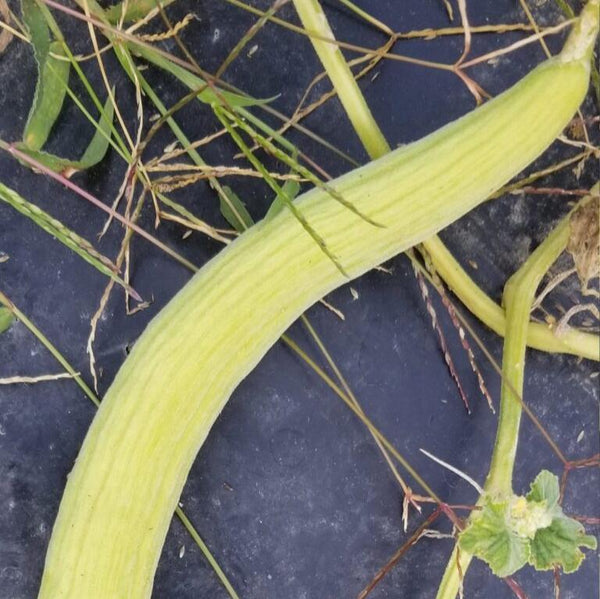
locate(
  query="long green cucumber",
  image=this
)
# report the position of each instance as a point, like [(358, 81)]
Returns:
[(128, 477)]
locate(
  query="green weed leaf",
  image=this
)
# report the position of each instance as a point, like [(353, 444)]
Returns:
[(49, 97), (206, 94), (558, 545), (35, 21), (291, 189), (6, 319), (93, 154), (234, 211), (99, 143), (53, 76), (545, 487)]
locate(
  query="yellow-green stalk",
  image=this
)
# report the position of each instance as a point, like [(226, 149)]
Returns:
[(128, 477), (518, 297), (539, 336)]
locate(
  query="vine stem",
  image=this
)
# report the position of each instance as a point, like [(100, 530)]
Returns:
[(315, 22), (519, 295), (518, 298)]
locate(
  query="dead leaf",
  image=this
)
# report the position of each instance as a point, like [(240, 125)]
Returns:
[(5, 35), (584, 241)]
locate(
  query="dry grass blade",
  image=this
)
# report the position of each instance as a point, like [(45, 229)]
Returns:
[(440, 334), (171, 32), (520, 44), (247, 37), (14, 380), (409, 497), (370, 52), (534, 25), (394, 559), (563, 324), (584, 242), (333, 309), (462, 8), (429, 34), (109, 90), (197, 225), (456, 471), (552, 284), (449, 9), (7, 33), (106, 294), (554, 168)]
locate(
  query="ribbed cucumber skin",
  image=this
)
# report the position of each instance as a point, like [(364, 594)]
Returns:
[(122, 492)]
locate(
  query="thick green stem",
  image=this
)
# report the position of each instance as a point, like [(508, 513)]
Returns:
[(314, 20), (519, 294), (539, 336), (518, 297)]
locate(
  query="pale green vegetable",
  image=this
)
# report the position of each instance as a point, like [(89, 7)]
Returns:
[(134, 461)]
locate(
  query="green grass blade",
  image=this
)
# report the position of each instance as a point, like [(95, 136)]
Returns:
[(134, 10), (94, 153), (49, 95), (298, 168), (35, 21), (6, 319), (224, 117), (98, 145), (234, 211), (206, 95), (66, 236), (291, 189)]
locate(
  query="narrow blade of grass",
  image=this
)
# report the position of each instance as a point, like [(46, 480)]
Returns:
[(223, 116), (94, 153), (6, 319), (239, 219), (66, 236), (49, 95)]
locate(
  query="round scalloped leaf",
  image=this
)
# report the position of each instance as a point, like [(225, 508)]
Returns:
[(558, 545), (546, 488), (490, 539)]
